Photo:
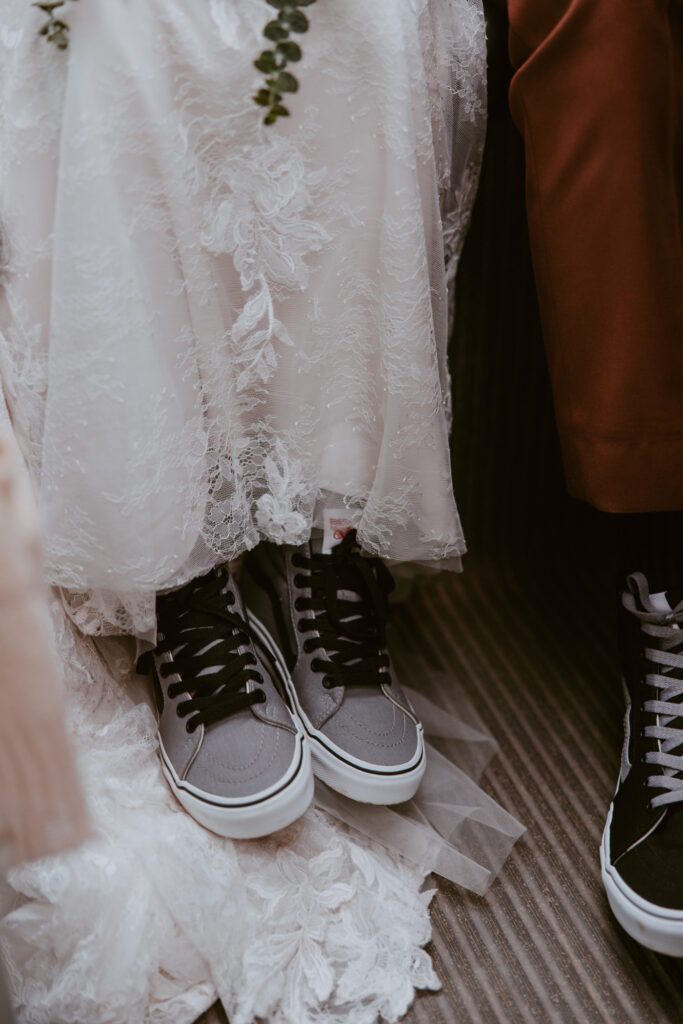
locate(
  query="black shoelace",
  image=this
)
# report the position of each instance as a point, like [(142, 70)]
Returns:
[(350, 630), (663, 641), (204, 636)]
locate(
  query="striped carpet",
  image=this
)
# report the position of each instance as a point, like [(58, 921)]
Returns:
[(536, 658), (528, 633), (542, 945)]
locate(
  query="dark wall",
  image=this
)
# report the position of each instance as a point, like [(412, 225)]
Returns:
[(506, 460)]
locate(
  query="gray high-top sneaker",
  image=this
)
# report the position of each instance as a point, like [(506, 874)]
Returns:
[(323, 618), (230, 749)]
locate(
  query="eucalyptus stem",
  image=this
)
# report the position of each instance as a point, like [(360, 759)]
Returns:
[(55, 30), (274, 62)]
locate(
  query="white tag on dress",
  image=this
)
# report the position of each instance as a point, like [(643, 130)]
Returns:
[(337, 523)]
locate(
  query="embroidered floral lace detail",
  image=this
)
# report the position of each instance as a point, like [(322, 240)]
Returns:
[(316, 925), (209, 330)]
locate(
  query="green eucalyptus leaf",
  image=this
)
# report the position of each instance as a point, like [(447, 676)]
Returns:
[(266, 62), (54, 31), (290, 51), (287, 82), (297, 21), (273, 63), (275, 31)]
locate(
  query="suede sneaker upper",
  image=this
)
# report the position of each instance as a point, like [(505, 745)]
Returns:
[(231, 751), (324, 616)]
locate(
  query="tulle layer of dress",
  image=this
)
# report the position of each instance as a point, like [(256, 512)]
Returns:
[(210, 328), (154, 918)]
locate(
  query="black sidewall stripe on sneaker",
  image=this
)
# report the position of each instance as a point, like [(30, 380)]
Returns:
[(217, 803), (389, 773)]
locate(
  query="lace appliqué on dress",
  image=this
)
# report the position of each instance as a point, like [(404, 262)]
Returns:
[(199, 315), (155, 917)]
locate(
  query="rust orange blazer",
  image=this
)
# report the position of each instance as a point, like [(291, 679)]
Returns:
[(598, 97)]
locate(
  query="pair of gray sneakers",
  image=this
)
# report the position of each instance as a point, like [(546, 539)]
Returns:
[(259, 690)]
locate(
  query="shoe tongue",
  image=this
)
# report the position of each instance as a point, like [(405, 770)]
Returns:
[(337, 523), (320, 545), (317, 541), (660, 601), (664, 602)]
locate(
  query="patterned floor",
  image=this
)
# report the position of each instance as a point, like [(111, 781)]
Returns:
[(542, 945), (538, 663)]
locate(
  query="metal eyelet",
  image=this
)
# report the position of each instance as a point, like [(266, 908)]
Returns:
[(328, 683)]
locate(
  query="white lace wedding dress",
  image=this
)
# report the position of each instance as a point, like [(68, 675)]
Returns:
[(209, 331)]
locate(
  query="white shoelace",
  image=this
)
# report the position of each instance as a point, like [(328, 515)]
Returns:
[(665, 649)]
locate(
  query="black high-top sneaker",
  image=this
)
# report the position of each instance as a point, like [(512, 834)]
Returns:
[(642, 845)]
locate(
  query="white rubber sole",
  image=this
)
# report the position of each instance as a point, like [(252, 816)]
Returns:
[(367, 783), (655, 927), (248, 817)]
